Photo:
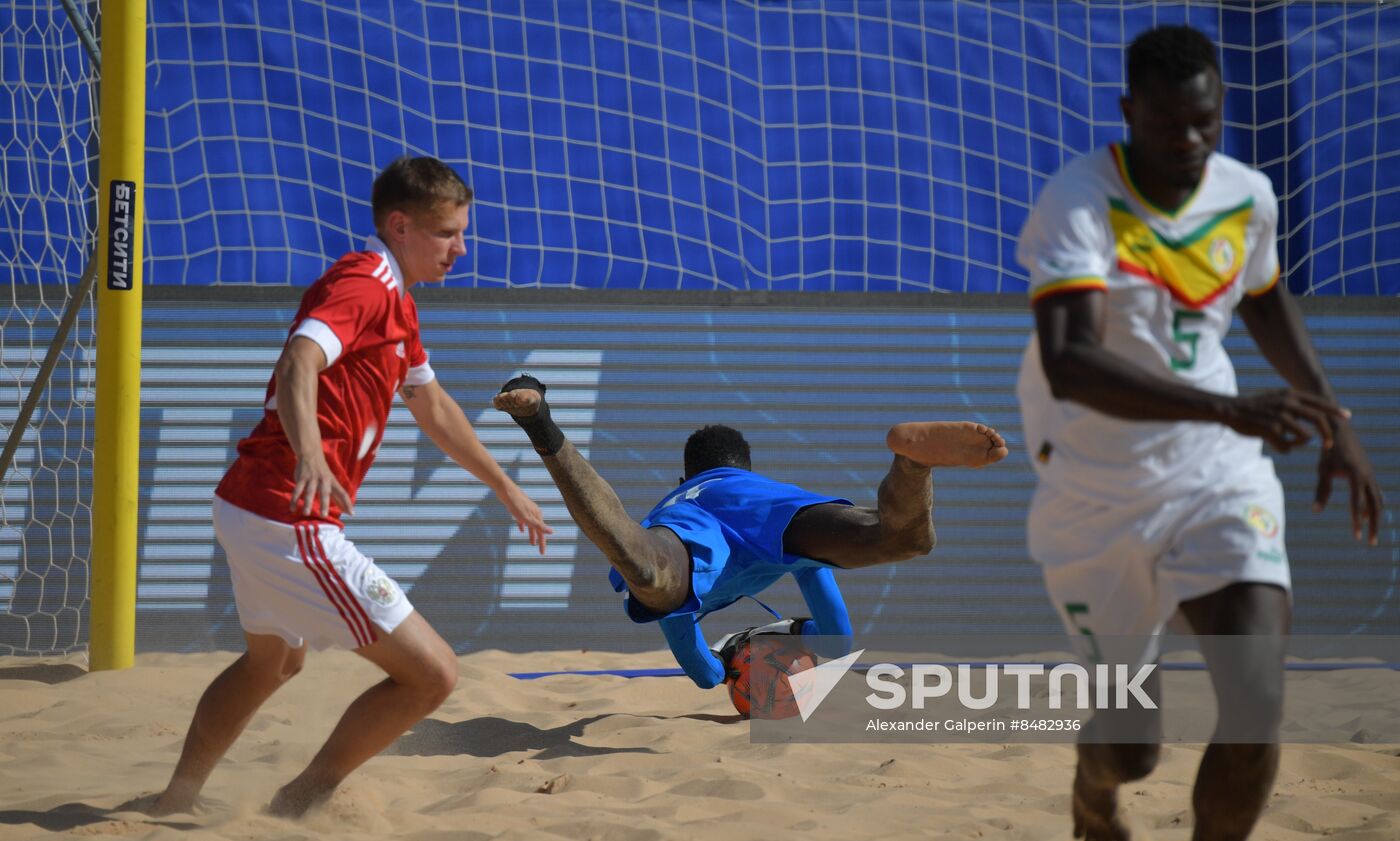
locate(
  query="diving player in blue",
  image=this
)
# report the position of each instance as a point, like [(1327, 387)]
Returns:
[(728, 532)]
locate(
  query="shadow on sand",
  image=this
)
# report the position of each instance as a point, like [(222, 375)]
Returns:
[(49, 673), (71, 816), (490, 736)]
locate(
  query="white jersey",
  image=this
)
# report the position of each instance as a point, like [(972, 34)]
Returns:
[(1171, 284)]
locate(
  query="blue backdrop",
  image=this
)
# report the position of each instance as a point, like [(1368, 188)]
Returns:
[(813, 146), (814, 388), (825, 146)]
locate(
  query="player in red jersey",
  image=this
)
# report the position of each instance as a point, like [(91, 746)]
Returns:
[(296, 578)]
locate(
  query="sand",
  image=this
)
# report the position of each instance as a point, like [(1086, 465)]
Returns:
[(589, 757)]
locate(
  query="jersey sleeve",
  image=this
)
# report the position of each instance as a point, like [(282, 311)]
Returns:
[(1261, 268), (692, 654), (1065, 245), (342, 313), (419, 371), (830, 622), (420, 374), (823, 598)]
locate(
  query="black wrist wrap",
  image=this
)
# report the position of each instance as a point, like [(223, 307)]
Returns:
[(546, 437)]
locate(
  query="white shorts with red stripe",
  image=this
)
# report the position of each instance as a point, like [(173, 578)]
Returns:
[(306, 583)]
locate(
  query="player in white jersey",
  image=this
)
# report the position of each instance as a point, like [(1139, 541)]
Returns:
[(1154, 495)]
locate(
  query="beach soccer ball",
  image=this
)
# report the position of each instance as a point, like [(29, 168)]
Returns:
[(761, 689)]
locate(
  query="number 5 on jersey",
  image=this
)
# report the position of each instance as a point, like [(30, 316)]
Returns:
[(1181, 319)]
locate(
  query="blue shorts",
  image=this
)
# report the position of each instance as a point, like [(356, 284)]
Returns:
[(732, 522)]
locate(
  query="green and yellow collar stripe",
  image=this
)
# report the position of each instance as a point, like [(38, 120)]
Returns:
[(1068, 284), (1120, 158), (1201, 231)]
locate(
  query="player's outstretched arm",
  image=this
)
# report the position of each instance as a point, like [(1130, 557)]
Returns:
[(1079, 368), (298, 377), (1275, 322), (447, 426), (692, 654), (830, 619)]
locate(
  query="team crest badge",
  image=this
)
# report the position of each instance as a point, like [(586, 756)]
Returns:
[(1222, 255), (1261, 520), (383, 591)]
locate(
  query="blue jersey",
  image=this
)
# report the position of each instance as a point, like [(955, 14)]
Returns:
[(732, 522)]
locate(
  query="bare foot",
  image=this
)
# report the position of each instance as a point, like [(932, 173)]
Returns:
[(179, 797), (163, 804), (1096, 813), (947, 443), (520, 403), (295, 798), (146, 805)]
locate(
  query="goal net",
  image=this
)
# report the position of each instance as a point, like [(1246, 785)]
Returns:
[(48, 223), (844, 146)]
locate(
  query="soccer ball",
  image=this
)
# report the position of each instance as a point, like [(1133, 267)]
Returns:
[(767, 695)]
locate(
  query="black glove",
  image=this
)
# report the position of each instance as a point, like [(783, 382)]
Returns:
[(728, 645)]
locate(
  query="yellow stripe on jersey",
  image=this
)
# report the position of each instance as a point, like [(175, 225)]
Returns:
[(1068, 284), (1254, 293), (1194, 269)]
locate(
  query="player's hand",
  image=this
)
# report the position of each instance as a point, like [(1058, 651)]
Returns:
[(1284, 418), (317, 485), (1347, 458), (728, 645), (527, 515)]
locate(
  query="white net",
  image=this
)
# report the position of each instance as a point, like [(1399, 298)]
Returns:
[(870, 146), (48, 156)]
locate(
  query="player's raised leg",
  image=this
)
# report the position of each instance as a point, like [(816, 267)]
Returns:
[(422, 671), (653, 562), (947, 443), (901, 526), (223, 711)]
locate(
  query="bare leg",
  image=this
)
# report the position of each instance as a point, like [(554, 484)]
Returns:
[(653, 562), (901, 527), (223, 711), (1235, 779), (1116, 747), (422, 672)]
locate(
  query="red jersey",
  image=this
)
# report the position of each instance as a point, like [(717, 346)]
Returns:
[(362, 316)]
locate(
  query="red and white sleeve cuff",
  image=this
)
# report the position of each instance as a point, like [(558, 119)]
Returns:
[(320, 333)]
